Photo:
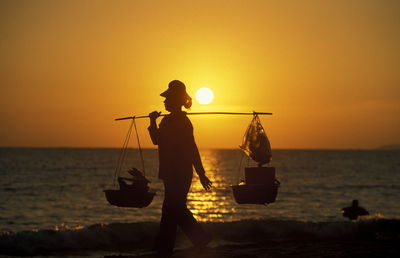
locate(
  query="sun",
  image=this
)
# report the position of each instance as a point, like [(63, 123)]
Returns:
[(204, 96)]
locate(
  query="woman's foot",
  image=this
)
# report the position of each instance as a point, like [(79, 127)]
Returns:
[(203, 242)]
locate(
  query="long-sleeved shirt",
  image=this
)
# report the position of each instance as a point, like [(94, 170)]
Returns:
[(177, 149)]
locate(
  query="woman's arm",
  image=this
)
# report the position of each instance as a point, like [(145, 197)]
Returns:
[(153, 129), (198, 165)]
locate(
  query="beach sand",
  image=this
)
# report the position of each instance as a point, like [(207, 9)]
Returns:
[(292, 248)]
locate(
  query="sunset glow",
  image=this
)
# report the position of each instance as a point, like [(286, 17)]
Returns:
[(70, 67)]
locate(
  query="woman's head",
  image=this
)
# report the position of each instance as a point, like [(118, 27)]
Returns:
[(176, 96)]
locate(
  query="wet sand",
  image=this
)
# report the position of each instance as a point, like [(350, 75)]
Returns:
[(293, 248)]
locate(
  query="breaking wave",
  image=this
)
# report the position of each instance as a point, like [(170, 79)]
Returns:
[(120, 237)]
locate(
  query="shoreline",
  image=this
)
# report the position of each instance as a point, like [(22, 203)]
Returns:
[(248, 238)]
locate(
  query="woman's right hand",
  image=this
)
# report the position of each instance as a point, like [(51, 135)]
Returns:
[(154, 115), (205, 182)]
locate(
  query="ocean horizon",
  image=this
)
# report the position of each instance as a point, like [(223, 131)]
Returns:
[(391, 147)]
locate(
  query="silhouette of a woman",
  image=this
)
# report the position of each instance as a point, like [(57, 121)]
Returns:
[(178, 153)]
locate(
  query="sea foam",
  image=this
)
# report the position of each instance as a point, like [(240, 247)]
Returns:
[(120, 237)]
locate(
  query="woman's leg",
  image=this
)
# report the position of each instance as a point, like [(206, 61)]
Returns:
[(185, 219), (174, 213), (165, 241)]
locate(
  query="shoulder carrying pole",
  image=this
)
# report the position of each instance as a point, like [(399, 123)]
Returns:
[(201, 113)]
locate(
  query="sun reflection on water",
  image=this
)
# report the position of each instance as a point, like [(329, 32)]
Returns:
[(213, 205)]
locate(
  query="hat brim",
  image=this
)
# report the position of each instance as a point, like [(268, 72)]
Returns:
[(170, 93), (165, 93)]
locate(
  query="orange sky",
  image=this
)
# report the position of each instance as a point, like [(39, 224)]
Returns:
[(328, 70)]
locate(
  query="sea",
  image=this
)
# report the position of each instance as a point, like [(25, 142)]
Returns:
[(52, 201)]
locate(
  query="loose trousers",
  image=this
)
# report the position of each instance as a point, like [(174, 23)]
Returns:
[(175, 213)]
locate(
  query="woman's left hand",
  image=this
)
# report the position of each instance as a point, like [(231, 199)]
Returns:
[(205, 182)]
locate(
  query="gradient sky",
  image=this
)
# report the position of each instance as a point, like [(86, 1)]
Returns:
[(328, 70)]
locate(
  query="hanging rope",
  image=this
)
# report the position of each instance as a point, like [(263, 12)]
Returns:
[(244, 148), (122, 154), (240, 168), (140, 149)]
